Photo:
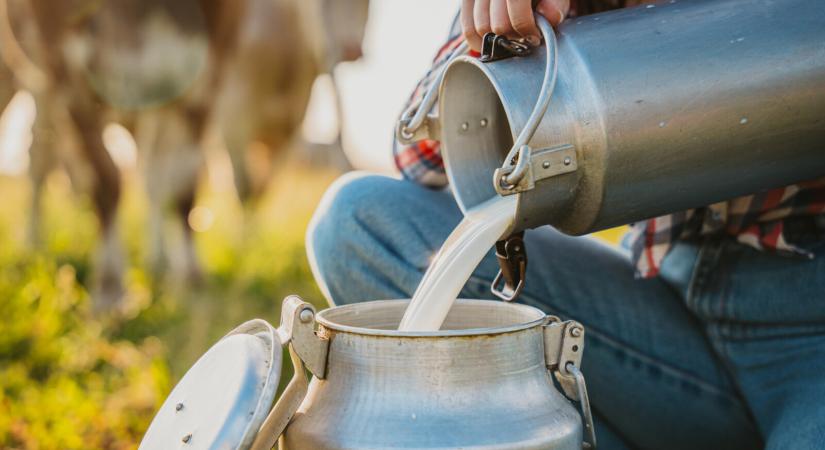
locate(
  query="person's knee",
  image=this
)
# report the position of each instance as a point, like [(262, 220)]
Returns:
[(344, 204), (337, 227)]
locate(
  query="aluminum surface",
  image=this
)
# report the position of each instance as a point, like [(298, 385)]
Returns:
[(222, 400), (669, 106), (480, 384), (307, 351)]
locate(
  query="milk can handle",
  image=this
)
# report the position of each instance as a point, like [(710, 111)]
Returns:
[(563, 349), (517, 159), (413, 118), (307, 352)]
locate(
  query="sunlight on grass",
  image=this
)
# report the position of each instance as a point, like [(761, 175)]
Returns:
[(70, 380)]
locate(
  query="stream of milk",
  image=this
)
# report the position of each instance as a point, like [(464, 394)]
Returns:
[(452, 266)]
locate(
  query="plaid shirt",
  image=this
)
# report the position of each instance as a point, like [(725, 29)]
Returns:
[(755, 220)]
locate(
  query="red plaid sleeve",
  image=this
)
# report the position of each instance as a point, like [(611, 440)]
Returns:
[(756, 220)]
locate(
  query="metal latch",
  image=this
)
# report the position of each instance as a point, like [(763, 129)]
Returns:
[(512, 262), (563, 349), (298, 330), (495, 47), (308, 351), (531, 166)]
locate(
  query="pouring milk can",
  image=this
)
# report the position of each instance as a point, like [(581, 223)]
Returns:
[(636, 113), (485, 381), (632, 114)]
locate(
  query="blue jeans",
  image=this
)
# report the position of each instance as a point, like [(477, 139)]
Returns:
[(724, 350)]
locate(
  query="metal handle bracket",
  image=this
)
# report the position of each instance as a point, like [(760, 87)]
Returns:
[(417, 122), (537, 165), (563, 344), (563, 348), (430, 128), (308, 351), (298, 329), (512, 261)]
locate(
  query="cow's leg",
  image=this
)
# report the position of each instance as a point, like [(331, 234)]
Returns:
[(85, 112), (108, 288), (237, 133), (184, 205), (169, 142), (42, 157), (50, 149), (196, 120), (148, 140), (236, 138)]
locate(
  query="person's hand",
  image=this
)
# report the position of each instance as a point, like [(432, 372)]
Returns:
[(511, 18)]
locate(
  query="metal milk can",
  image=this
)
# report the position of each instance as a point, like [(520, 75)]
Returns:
[(485, 381), (635, 113)]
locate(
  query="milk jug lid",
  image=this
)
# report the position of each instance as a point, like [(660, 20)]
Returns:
[(224, 398)]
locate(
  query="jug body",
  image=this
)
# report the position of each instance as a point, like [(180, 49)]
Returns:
[(655, 109), (481, 383)]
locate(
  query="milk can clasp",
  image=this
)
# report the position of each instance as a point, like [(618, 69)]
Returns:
[(306, 350), (512, 261), (298, 330), (495, 47), (563, 348)]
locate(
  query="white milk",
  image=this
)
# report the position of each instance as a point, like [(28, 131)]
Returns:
[(454, 263)]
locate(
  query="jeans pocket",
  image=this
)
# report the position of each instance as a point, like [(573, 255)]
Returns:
[(769, 288)]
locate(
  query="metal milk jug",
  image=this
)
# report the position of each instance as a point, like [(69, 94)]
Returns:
[(485, 381), (635, 113)]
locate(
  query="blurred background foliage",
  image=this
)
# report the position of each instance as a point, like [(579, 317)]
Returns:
[(70, 379)]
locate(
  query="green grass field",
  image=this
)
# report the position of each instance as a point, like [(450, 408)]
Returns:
[(73, 380)]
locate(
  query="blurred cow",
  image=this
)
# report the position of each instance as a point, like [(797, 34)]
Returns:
[(269, 78), (164, 68)]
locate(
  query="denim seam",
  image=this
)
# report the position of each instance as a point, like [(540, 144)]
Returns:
[(715, 331), (723, 276), (697, 281), (720, 346), (699, 299), (706, 301)]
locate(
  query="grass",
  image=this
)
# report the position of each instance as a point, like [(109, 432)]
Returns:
[(70, 379)]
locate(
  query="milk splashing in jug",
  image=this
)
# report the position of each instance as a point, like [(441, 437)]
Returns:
[(452, 266)]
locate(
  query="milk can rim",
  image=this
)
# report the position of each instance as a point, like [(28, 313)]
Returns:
[(326, 323)]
